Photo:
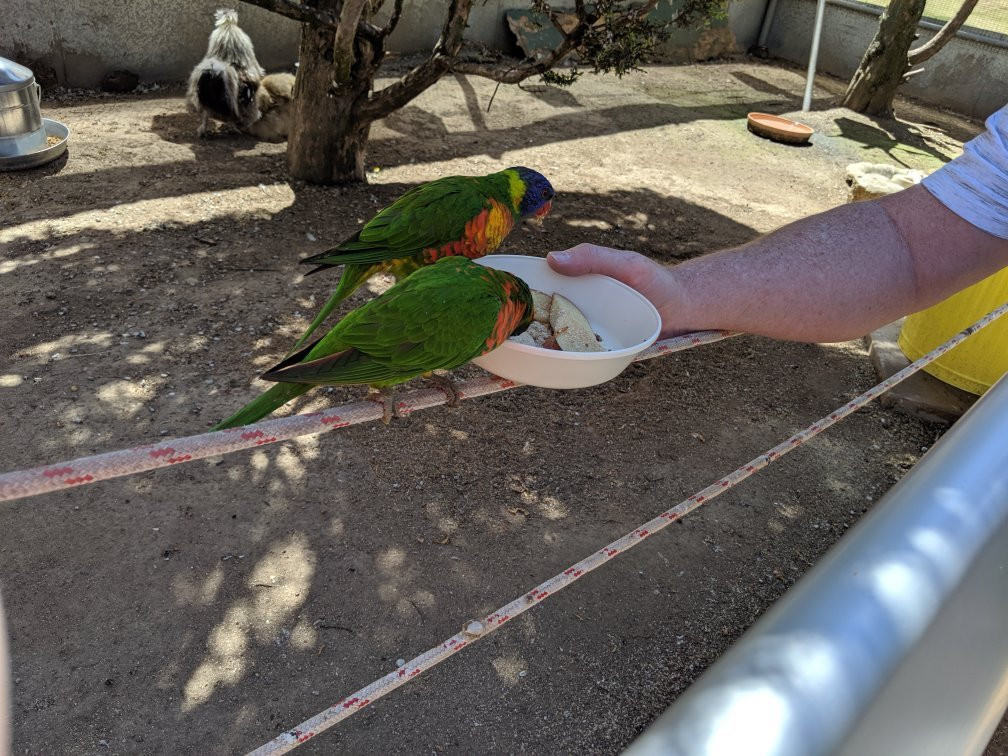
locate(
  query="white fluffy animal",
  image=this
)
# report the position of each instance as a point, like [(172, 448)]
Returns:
[(273, 98), (223, 85)]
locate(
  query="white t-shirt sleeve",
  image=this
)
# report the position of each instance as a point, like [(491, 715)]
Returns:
[(974, 186)]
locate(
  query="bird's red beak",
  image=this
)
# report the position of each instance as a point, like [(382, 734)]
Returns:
[(540, 215)]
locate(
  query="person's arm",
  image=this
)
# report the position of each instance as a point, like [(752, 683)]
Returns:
[(830, 277)]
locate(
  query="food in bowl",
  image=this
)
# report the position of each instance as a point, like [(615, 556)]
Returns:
[(559, 324), (624, 319)]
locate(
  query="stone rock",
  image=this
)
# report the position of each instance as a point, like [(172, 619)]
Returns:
[(921, 395), (871, 180)]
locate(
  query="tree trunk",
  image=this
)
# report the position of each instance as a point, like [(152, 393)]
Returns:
[(885, 62), (328, 137)]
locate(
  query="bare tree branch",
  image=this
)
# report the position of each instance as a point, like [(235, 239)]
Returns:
[(394, 96), (350, 14), (514, 74), (370, 32), (393, 21), (308, 14), (933, 45), (641, 10), (298, 11), (343, 44)]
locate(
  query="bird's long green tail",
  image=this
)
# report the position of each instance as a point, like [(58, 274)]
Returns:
[(271, 399), (353, 276)]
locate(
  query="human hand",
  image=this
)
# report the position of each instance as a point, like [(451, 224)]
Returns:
[(654, 281)]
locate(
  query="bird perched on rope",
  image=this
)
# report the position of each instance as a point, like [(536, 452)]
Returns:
[(438, 318), (223, 85), (455, 215)]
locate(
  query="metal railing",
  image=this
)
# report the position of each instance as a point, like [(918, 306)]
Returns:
[(895, 642)]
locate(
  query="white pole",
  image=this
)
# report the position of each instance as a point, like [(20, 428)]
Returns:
[(813, 56)]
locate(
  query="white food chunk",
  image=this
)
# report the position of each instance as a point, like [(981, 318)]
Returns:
[(534, 335), (541, 303), (571, 328)]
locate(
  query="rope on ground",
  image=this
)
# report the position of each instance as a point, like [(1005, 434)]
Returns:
[(476, 629), (22, 483)]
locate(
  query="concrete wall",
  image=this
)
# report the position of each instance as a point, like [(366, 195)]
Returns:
[(421, 24), (967, 76), (77, 43), (744, 19), (82, 41)]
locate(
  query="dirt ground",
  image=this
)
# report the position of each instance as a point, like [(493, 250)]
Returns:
[(148, 277)]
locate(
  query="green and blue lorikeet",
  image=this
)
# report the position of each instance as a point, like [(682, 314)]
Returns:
[(439, 317), (455, 215)]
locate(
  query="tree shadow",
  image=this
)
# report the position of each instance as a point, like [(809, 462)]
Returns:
[(253, 590), (272, 560), (792, 100), (223, 141), (416, 122), (225, 162), (476, 114), (571, 125), (558, 97), (223, 600), (890, 136)]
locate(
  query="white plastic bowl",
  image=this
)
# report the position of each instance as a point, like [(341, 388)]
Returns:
[(627, 322)]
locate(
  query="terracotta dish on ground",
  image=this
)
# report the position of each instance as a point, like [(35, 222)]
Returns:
[(779, 129)]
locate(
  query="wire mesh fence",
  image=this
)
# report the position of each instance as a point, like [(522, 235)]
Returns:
[(988, 19)]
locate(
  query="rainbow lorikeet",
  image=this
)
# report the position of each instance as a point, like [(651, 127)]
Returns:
[(455, 215), (439, 317)]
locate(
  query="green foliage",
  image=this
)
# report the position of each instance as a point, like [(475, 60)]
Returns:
[(618, 37), (618, 42), (701, 12), (558, 79)]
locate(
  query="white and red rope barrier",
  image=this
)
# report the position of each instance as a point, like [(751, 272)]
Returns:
[(476, 629)]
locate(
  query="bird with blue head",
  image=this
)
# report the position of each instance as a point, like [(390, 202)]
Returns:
[(454, 215)]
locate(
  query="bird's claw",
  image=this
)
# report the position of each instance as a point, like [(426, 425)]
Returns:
[(447, 385), (387, 402)]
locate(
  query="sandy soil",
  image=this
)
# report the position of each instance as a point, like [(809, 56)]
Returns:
[(148, 276)]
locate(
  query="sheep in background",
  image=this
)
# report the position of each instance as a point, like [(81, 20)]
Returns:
[(273, 99), (224, 84)]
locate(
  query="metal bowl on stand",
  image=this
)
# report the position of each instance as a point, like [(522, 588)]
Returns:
[(26, 138)]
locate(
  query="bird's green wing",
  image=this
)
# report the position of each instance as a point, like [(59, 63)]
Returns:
[(437, 318), (427, 216)]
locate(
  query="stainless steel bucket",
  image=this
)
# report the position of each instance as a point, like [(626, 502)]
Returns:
[(20, 112), (21, 128)]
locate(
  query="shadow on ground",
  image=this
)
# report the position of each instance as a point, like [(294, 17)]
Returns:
[(219, 602)]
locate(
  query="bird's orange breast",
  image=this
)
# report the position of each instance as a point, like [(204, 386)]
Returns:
[(482, 235), (510, 315)]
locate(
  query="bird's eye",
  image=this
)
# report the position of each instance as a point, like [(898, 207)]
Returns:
[(545, 193)]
